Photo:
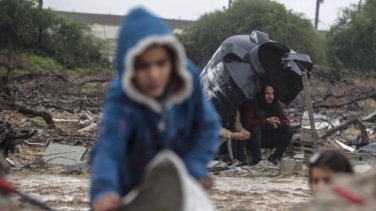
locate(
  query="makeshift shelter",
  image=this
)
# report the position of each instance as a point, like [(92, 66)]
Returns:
[(243, 64)]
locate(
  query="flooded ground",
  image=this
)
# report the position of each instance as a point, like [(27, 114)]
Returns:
[(67, 192)]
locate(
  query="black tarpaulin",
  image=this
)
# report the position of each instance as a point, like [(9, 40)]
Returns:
[(243, 64)]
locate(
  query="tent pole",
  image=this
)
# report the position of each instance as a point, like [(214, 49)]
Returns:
[(308, 100)]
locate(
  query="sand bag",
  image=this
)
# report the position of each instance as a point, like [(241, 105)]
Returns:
[(167, 186)]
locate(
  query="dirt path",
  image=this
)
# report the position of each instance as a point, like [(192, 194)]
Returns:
[(229, 193)]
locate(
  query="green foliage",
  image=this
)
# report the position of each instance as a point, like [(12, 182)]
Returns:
[(72, 45), (352, 40), (40, 64), (25, 27), (291, 29)]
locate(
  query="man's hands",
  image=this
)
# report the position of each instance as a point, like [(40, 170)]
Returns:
[(107, 202), (241, 135), (273, 121)]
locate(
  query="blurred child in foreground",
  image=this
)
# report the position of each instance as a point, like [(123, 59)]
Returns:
[(154, 103), (324, 165)]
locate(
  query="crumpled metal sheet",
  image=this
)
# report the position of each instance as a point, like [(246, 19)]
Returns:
[(243, 64)]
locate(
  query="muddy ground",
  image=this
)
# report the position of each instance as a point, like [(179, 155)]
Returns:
[(70, 192), (78, 98)]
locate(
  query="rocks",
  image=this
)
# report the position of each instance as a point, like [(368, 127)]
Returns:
[(360, 169), (290, 166), (263, 168)]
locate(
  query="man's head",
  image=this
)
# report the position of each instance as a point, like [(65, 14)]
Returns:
[(269, 94), (153, 69)]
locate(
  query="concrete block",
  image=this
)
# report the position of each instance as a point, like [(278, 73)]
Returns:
[(213, 163), (290, 166), (60, 154), (362, 168), (306, 136), (299, 156)]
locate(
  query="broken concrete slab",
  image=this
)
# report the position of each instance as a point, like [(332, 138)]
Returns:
[(369, 149), (290, 166), (360, 169), (59, 154), (321, 121), (213, 163), (299, 156)]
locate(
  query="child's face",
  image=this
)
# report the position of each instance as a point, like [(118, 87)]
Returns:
[(320, 178), (152, 71)]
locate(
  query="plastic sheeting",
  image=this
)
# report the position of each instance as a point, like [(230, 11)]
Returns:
[(243, 64)]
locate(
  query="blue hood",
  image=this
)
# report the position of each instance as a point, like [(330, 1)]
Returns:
[(139, 31)]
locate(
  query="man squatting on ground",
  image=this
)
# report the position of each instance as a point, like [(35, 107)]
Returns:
[(268, 124), (154, 103), (233, 138)]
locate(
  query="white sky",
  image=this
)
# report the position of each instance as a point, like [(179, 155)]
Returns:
[(193, 9)]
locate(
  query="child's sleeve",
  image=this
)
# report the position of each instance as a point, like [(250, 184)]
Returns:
[(205, 133), (108, 152)]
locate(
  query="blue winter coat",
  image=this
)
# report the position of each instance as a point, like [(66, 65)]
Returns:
[(135, 127)]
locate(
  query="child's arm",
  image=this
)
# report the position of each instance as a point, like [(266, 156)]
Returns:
[(205, 134), (107, 154)]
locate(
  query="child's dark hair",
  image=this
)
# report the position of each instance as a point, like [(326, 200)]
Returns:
[(332, 159)]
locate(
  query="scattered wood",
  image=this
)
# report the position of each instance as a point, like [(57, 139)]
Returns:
[(33, 144), (66, 120), (33, 113), (70, 107), (88, 128), (344, 125)]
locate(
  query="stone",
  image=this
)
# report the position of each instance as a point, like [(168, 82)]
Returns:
[(59, 154), (362, 168), (77, 168), (290, 166), (299, 156), (213, 163), (263, 168)]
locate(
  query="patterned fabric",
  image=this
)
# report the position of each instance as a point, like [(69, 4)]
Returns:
[(134, 128)]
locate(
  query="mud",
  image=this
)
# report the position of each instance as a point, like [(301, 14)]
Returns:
[(70, 192)]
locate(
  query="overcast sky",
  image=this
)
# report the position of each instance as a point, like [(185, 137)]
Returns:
[(193, 9)]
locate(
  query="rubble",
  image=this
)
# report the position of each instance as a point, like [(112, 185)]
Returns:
[(290, 166), (60, 154), (79, 109), (360, 169)]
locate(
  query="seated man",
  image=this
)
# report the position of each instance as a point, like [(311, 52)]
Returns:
[(269, 125), (235, 136)]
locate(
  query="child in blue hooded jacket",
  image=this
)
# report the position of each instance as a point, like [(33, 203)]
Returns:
[(154, 102)]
